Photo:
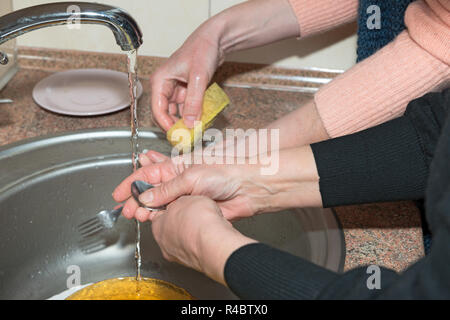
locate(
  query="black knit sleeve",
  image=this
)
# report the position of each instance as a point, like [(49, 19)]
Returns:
[(428, 115), (385, 163), (257, 271), (260, 272)]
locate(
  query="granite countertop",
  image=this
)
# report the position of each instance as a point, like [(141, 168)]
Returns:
[(386, 234)]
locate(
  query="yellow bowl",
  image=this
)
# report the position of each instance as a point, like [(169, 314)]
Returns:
[(131, 289)]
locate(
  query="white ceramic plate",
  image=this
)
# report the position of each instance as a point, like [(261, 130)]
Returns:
[(84, 92)]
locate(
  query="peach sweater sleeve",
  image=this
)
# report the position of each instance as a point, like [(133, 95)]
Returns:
[(316, 16), (379, 88)]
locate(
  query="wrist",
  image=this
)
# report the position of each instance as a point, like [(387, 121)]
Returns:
[(225, 26), (211, 32), (216, 246)]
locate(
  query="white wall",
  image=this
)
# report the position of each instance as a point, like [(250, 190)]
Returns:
[(167, 23)]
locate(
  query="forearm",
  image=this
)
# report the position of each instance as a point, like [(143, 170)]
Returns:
[(385, 163), (257, 271), (379, 88), (372, 92), (315, 16), (291, 182), (371, 157), (254, 23), (300, 127)]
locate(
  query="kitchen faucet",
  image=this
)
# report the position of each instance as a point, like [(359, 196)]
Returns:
[(124, 27)]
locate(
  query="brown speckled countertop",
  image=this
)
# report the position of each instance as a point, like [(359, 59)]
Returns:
[(387, 234)]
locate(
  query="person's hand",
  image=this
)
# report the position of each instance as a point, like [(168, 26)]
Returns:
[(173, 178), (192, 231), (239, 190), (179, 84)]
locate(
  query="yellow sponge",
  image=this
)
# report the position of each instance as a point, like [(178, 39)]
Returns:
[(214, 101)]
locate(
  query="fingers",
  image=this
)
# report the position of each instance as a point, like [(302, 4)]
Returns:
[(156, 157), (160, 115), (161, 91), (192, 109), (152, 157), (132, 210), (166, 192), (129, 209), (168, 95), (144, 160), (173, 109), (150, 174), (123, 190), (142, 214), (155, 215), (156, 168), (181, 108)]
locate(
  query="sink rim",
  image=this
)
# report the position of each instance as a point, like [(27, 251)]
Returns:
[(334, 234)]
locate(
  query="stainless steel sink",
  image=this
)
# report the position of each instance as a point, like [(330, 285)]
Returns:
[(51, 184)]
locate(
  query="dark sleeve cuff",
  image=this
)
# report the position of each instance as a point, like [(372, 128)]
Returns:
[(384, 163), (260, 272)]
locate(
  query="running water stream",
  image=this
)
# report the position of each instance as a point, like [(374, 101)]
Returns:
[(133, 79)]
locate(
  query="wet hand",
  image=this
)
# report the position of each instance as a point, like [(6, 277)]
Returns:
[(239, 190), (193, 232), (174, 178), (179, 84)]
